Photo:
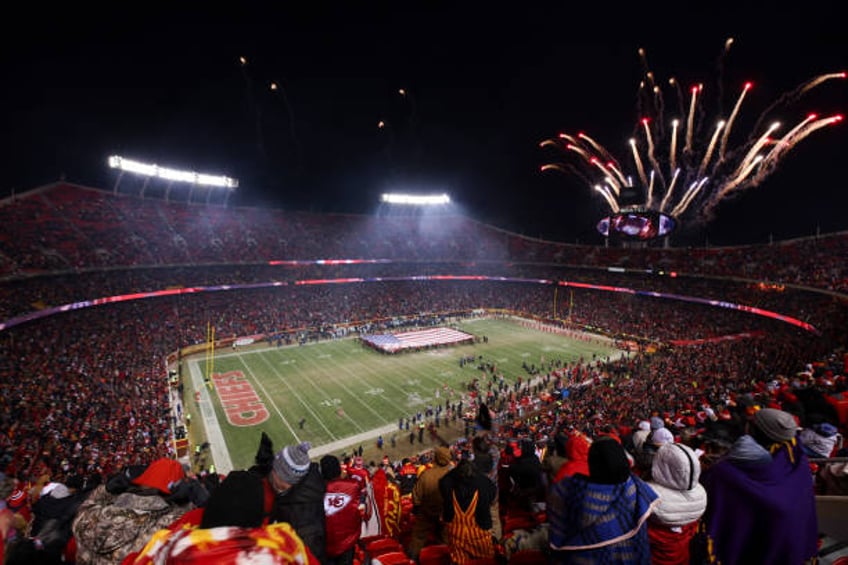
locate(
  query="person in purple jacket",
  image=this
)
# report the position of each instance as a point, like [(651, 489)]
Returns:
[(760, 499)]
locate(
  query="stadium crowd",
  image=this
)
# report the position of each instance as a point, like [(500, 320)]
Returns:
[(81, 380), (64, 227), (87, 418)]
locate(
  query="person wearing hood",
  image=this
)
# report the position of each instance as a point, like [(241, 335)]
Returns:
[(820, 440), (299, 499), (602, 517), (53, 516), (675, 472), (577, 457), (427, 502), (527, 480), (760, 501)]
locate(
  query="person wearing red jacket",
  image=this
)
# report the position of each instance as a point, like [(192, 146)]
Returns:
[(359, 472), (342, 512)]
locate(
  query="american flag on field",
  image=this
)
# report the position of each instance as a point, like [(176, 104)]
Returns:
[(421, 338)]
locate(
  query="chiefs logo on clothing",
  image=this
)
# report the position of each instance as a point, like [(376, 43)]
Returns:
[(334, 502)]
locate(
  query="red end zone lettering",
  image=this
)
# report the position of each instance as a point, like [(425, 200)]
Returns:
[(240, 402)]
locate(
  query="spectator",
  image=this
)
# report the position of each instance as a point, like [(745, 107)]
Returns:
[(427, 503), (577, 449), (342, 511), (601, 518), (760, 501), (674, 477), (525, 473), (467, 496), (299, 499), (53, 515), (821, 440)]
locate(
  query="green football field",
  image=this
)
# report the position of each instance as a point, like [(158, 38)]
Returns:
[(340, 394)]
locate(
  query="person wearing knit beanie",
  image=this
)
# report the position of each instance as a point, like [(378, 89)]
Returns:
[(777, 425), (290, 466), (299, 499), (656, 423)]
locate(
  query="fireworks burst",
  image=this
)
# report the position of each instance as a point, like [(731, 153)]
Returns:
[(686, 165)]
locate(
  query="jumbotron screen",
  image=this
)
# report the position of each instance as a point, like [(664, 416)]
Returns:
[(637, 224)]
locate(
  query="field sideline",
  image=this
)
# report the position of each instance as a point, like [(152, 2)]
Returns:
[(341, 394)]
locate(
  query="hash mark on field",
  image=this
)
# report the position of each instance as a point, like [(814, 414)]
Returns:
[(525, 355), (414, 399), (323, 356), (288, 362), (341, 383), (299, 398)]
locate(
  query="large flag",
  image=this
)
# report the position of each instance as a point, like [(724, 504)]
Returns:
[(421, 338)]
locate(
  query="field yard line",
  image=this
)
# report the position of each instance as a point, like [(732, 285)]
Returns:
[(351, 440), (344, 413), (340, 382), (270, 398), (353, 375), (305, 405), (217, 445)]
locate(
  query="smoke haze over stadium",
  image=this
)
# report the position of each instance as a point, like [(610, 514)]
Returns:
[(482, 87)]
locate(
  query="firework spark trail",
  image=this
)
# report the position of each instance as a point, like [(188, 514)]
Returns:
[(730, 120), (608, 197), (257, 111), (708, 155), (689, 196), (681, 98), (720, 67), (651, 157), (759, 144), (672, 152), (769, 164), (638, 160), (669, 191), (617, 170), (660, 107), (690, 122), (605, 155), (794, 94), (650, 189), (710, 167), (818, 80)]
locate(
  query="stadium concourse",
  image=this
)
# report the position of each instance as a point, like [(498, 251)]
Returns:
[(90, 418)]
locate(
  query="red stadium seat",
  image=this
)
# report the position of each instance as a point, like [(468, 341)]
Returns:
[(393, 558), (381, 547), (434, 555)]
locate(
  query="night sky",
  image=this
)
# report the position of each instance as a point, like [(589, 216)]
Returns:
[(484, 86)]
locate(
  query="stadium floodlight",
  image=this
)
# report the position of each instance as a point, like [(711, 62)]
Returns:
[(416, 199), (151, 170)]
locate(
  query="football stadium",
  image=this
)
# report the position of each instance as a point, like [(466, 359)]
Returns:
[(126, 344), (191, 378)]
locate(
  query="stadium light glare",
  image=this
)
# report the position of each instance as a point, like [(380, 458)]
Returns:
[(415, 199), (152, 170)]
